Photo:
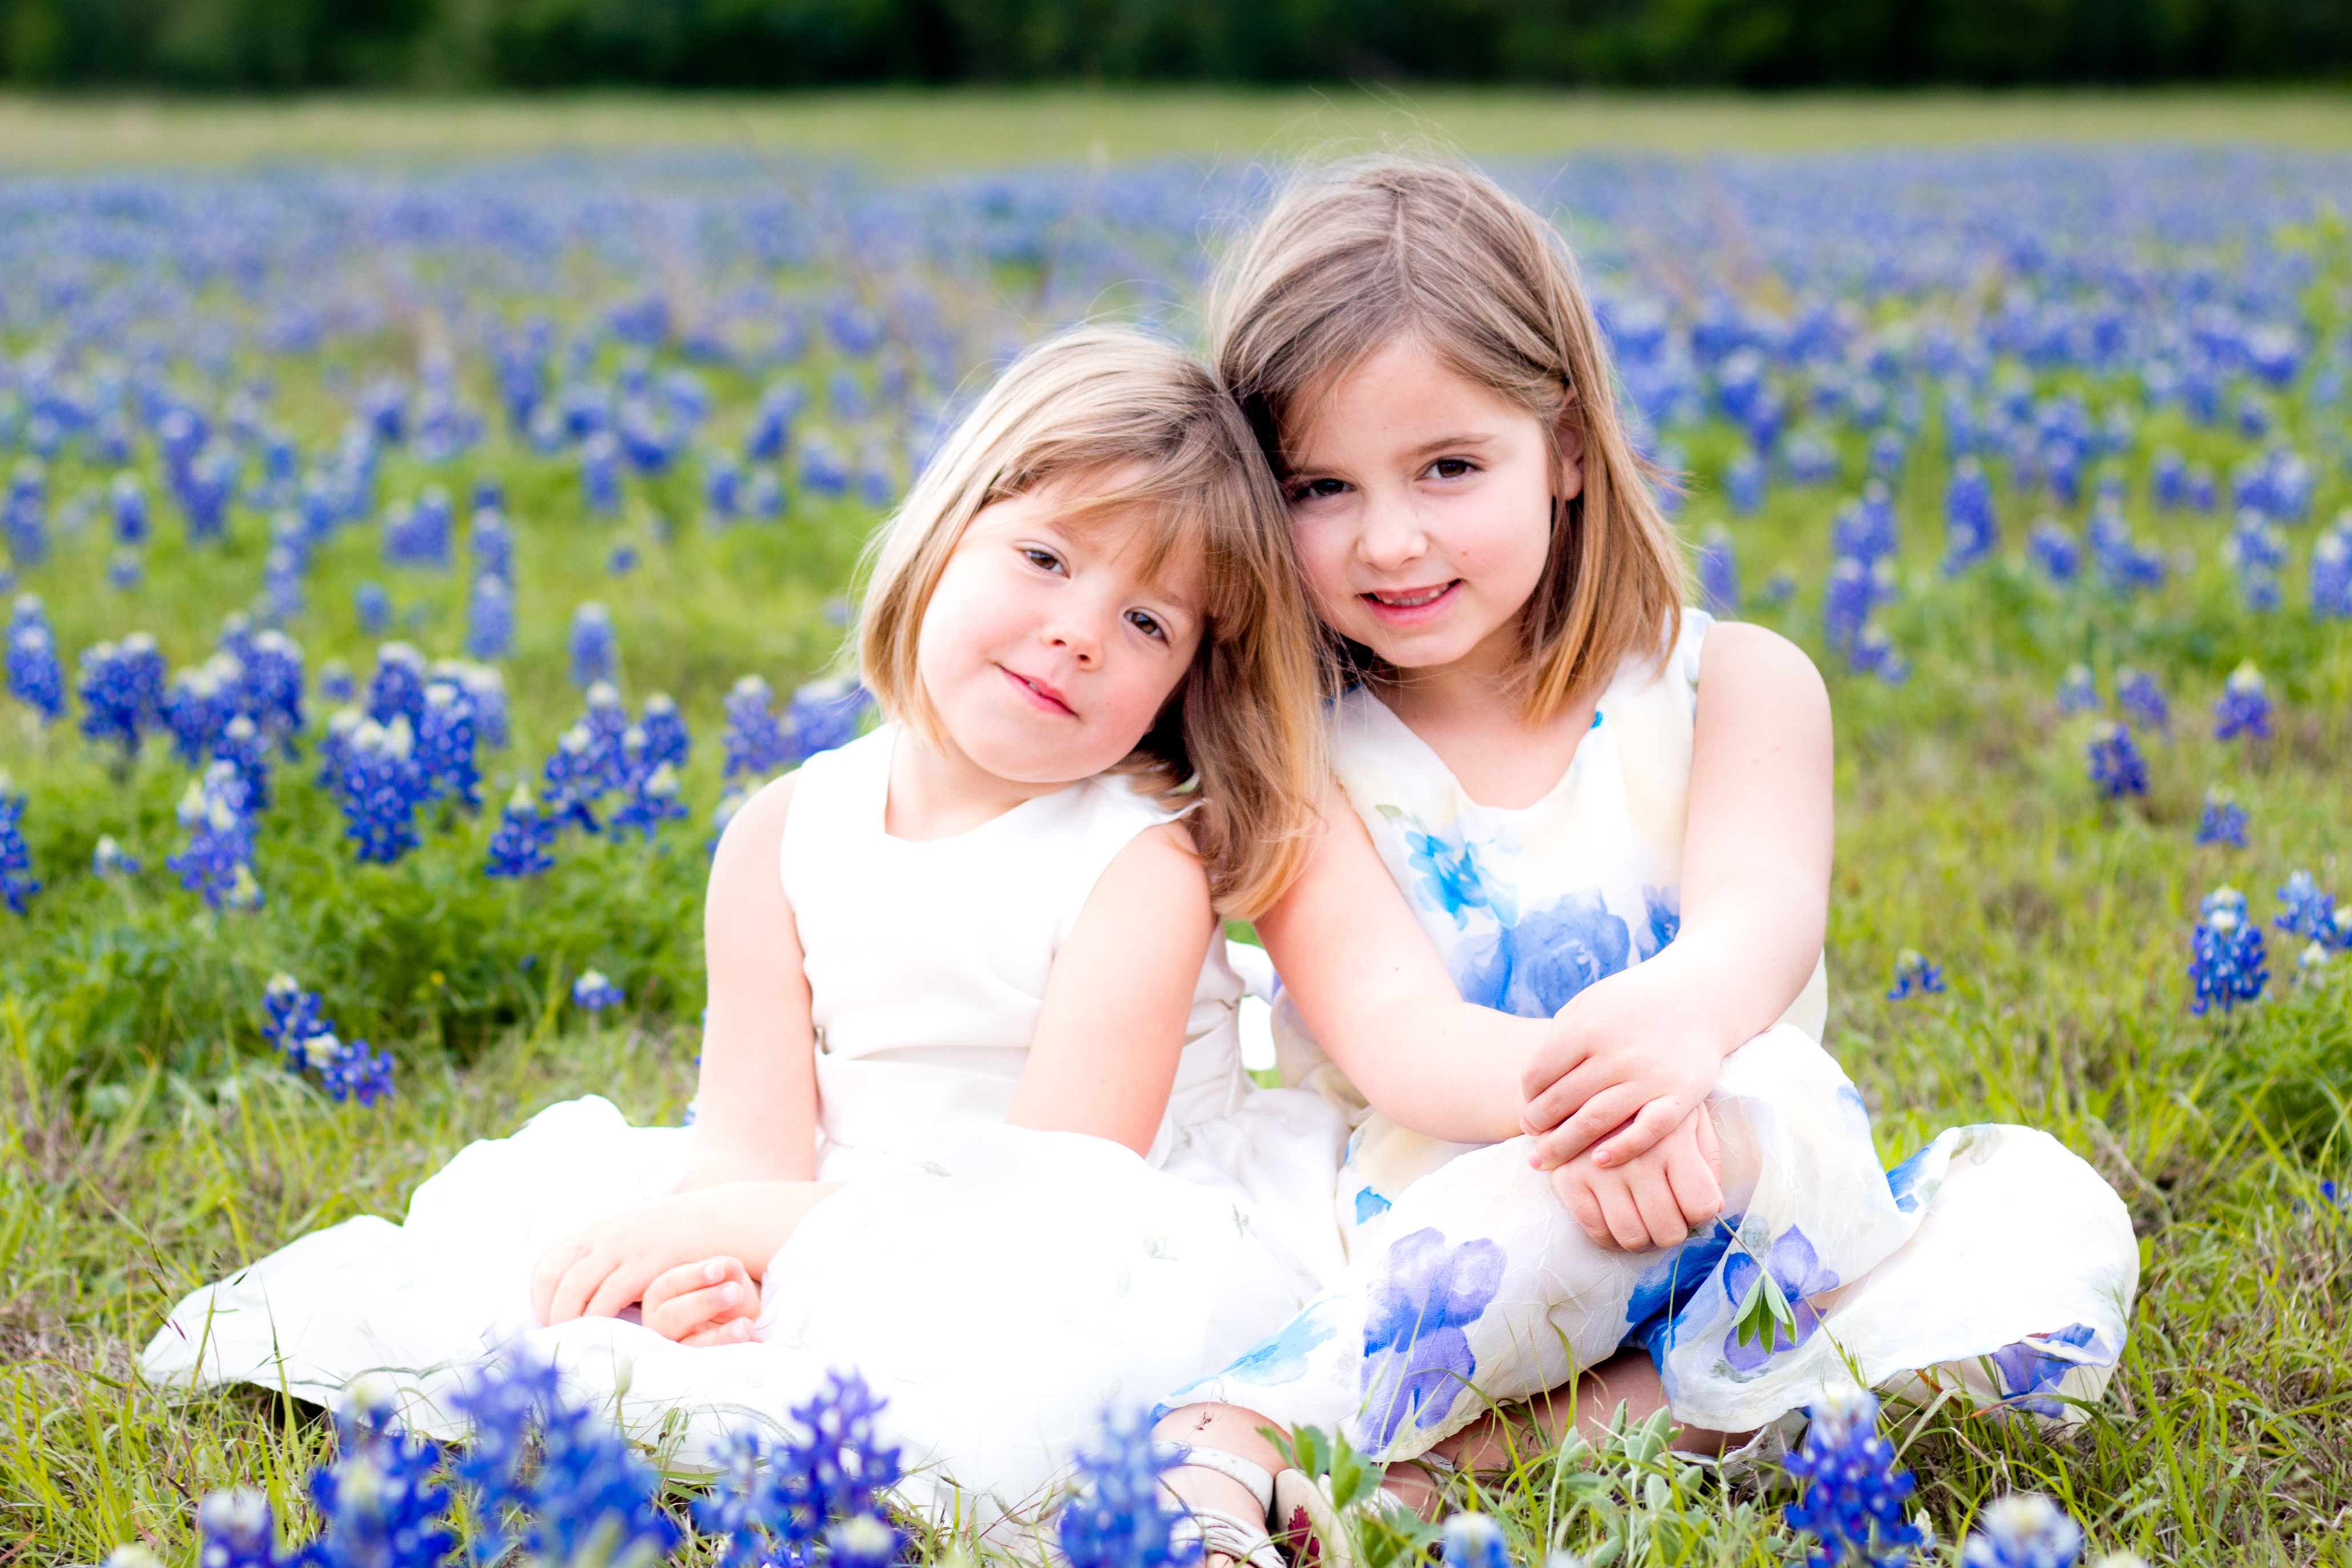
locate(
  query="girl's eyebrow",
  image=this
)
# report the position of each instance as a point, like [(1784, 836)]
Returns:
[(1466, 439)]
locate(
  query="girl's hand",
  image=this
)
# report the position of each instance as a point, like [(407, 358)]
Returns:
[(598, 1271), (1655, 1200), (713, 1302), (1631, 1055)]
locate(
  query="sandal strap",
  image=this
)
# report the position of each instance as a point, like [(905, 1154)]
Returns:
[(1227, 1534), (1257, 1477)]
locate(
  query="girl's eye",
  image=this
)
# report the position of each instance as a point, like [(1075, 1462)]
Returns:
[(1315, 489), (1148, 623), (1044, 560), (1450, 468)]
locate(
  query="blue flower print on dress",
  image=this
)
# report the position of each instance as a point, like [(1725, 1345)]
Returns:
[(1903, 1181), (1670, 1284), (1281, 1356), (1665, 905), (1369, 1205), (1446, 866), (1797, 1270), (1417, 1360), (1536, 967), (2026, 1369)]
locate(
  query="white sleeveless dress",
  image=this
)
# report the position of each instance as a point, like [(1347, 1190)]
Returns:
[(999, 1287), (1994, 1261)]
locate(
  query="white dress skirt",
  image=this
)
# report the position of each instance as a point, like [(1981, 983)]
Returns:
[(1000, 1287), (1993, 1262)]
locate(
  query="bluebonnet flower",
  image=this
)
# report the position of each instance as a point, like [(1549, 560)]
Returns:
[(518, 847), (379, 1502), (241, 746), (1718, 571), (235, 1531), (822, 470), (349, 1070), (593, 993), (380, 786), (1744, 483), (1472, 1540), (666, 741), (767, 495), (772, 426), (1118, 1518), (652, 795), (753, 739), (824, 714), (374, 607), (218, 860), (490, 617), (2024, 1529), (2222, 820), (128, 499), (2077, 694), (291, 1019), (2055, 551), (577, 778), (1915, 976), (335, 682), (489, 542), (2229, 960), (589, 1496), (25, 512), (486, 690), (107, 859), (445, 747), (397, 689), (2244, 708), (2117, 767), (16, 884), (35, 677), (2256, 550), (840, 1472), (2142, 700), (121, 690), (2170, 477), (1971, 530), (623, 561), (592, 644), (2311, 913), (198, 704), (125, 571), (1854, 1492), (599, 473), (2331, 571), (2203, 492)]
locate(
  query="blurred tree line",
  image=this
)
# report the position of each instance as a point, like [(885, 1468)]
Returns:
[(454, 44)]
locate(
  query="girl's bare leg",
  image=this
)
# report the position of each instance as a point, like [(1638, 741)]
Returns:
[(1491, 1443), (1231, 1429)]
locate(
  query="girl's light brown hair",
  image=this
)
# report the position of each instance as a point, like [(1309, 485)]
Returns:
[(1174, 460), (1361, 255)]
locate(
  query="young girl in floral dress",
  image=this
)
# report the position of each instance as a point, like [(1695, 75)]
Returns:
[(1558, 952)]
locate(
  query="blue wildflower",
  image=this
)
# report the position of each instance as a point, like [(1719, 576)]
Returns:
[(2311, 913), (1744, 480), (241, 746), (121, 690), (291, 1019), (108, 859), (1855, 1492), (349, 1070), (2077, 693), (599, 473), (2229, 960), (824, 714), (490, 617), (374, 607), (128, 499), (2025, 1529), (1718, 571), (2244, 708), (2331, 571), (1475, 1540), (379, 1502), (652, 797), (593, 655), (1915, 976), (397, 689), (485, 689), (1117, 1520), (35, 677), (666, 739), (518, 847), (235, 1531), (1971, 530), (2142, 700), (125, 571), (753, 739), (198, 703), (218, 860), (380, 786), (593, 993), (2117, 767), (445, 747), (335, 682), (24, 513), (16, 884), (2222, 820), (2055, 550), (841, 1471), (2256, 550)]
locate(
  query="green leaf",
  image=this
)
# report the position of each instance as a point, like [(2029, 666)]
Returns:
[(1764, 1314)]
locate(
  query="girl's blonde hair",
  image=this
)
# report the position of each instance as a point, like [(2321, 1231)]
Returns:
[(1364, 254), (1175, 460)]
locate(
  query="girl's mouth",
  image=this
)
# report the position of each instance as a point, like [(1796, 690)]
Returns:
[(1406, 606), (1039, 693)]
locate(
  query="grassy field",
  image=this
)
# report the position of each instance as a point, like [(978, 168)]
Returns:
[(149, 1142), (968, 128)]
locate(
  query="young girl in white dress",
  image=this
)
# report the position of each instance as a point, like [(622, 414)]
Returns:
[(971, 1118), (1558, 952)]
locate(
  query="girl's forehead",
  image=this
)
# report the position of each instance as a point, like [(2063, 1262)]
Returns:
[(1397, 387)]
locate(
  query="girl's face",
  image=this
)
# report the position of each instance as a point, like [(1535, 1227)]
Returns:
[(1422, 503), (1045, 651)]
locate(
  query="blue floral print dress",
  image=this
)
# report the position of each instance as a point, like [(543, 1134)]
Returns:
[(1993, 1262)]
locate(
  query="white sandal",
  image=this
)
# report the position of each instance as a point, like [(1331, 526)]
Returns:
[(1217, 1531)]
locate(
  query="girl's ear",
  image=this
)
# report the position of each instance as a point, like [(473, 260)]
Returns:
[(1568, 437)]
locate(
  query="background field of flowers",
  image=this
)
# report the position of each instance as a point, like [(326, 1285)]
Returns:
[(550, 471)]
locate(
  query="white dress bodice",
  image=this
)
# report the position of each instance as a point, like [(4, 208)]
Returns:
[(927, 960)]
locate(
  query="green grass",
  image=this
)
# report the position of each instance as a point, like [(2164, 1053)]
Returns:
[(977, 128), (148, 1143)]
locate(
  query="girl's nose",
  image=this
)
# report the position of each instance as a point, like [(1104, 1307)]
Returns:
[(1076, 635), (1392, 535)]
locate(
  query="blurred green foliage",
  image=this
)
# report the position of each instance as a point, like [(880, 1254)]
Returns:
[(285, 45)]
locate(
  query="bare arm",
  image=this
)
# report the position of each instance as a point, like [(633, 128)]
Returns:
[(1640, 1049), (1107, 1040), (1374, 993)]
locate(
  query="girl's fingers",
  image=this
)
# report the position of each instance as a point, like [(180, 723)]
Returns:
[(735, 1331), (1555, 1102), (1560, 1054), (1662, 1217), (577, 1288), (683, 1317), (1575, 1194), (547, 1273), (1626, 1230), (1698, 1193), (1599, 1116), (621, 1286), (1642, 1134)]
